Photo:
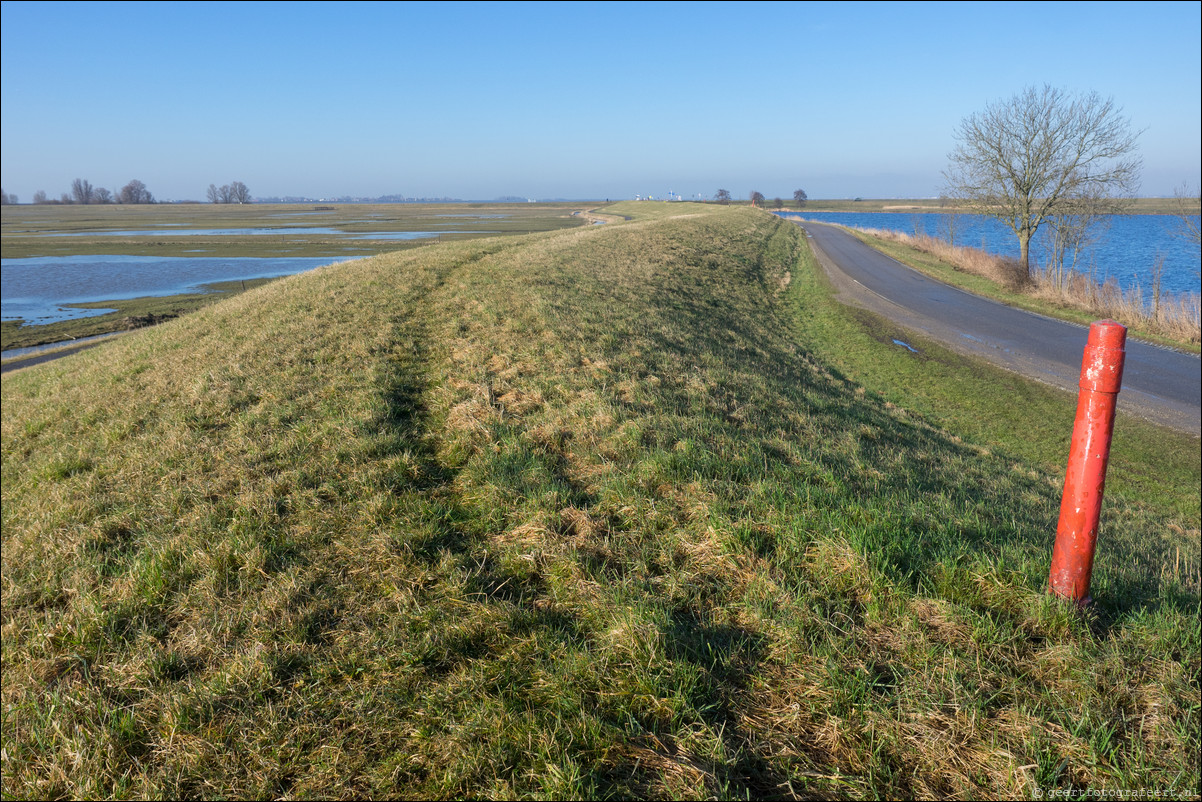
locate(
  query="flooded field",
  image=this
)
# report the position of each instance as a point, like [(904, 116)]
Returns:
[(63, 263), (263, 230), (43, 289)]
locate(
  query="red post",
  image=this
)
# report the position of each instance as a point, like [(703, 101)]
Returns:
[(1081, 505)]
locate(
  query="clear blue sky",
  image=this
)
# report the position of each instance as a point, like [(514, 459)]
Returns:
[(571, 100)]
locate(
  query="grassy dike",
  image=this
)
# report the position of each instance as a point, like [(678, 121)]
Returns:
[(615, 511)]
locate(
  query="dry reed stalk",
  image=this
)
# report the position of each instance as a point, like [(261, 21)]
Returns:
[(1177, 316)]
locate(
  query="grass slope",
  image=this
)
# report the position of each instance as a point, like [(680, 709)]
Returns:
[(577, 514)]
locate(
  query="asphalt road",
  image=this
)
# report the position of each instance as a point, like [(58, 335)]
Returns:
[(1159, 384)]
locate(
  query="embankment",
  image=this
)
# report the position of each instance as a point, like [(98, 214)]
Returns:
[(573, 515)]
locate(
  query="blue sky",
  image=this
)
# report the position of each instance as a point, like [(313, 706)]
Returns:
[(559, 100)]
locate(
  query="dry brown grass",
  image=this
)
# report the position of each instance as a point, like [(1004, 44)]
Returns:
[(1177, 317)]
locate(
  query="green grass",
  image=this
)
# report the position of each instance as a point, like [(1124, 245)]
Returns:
[(581, 514), (1034, 421)]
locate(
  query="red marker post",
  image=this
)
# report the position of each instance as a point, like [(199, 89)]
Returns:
[(1081, 505)]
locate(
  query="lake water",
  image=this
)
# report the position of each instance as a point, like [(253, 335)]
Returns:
[(36, 289), (1126, 250)]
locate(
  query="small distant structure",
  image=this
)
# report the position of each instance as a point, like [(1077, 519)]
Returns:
[(671, 196)]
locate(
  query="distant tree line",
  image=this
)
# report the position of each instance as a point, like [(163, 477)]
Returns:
[(228, 193), (82, 192), (723, 197)]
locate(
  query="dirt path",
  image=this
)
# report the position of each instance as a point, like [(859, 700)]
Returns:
[(37, 359)]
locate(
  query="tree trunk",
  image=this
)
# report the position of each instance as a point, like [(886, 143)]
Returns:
[(1024, 250)]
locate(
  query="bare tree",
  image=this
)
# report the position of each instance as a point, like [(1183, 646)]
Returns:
[(799, 195), (1073, 230), (777, 203), (1157, 279), (239, 193), (228, 193), (1189, 206), (6, 199), (949, 219), (722, 196), (1040, 153), (757, 197), (82, 191), (102, 195), (135, 192), (39, 197)]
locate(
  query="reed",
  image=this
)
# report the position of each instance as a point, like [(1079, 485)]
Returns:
[(1173, 316)]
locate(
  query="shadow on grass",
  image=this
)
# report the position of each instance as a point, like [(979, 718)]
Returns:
[(727, 657), (911, 497)]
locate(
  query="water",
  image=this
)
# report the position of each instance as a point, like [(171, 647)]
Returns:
[(1126, 250), (37, 289), (197, 232), (239, 232), (407, 235)]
